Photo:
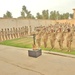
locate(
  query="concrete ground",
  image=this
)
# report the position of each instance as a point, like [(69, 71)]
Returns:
[(15, 61)]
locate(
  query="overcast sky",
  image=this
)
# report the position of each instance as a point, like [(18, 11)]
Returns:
[(15, 6)]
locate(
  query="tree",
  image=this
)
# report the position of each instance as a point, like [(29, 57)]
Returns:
[(71, 16), (22, 15), (58, 15), (33, 17), (26, 14), (24, 9), (61, 17), (38, 16), (23, 12), (65, 15), (53, 15), (7, 15), (29, 15), (45, 14)]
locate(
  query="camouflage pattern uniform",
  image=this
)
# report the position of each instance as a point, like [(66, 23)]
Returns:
[(69, 39)]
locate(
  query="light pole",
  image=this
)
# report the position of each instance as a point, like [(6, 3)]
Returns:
[(34, 45)]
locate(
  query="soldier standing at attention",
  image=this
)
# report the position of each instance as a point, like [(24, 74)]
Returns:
[(6, 34), (2, 34), (69, 39), (11, 33), (19, 34), (0, 37), (25, 30), (30, 29), (14, 32)]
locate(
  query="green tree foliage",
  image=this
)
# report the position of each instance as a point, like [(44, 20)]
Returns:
[(38, 16), (26, 14), (58, 15), (22, 14), (65, 16), (24, 9), (53, 15), (7, 15), (29, 15), (45, 14), (33, 17), (71, 16)]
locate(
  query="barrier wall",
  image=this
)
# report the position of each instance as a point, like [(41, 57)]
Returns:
[(9, 23), (71, 21)]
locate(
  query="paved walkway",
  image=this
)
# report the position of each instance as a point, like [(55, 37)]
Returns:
[(15, 61)]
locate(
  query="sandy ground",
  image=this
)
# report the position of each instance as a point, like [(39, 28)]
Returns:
[(15, 61)]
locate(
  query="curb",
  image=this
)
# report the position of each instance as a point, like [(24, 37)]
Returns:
[(46, 52), (59, 54)]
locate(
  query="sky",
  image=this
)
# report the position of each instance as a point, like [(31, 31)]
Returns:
[(15, 6)]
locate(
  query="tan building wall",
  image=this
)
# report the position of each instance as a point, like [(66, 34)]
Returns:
[(71, 21), (9, 23)]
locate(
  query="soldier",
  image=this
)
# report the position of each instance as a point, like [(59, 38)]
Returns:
[(45, 38), (52, 38), (69, 39), (14, 31), (11, 33), (30, 28), (0, 37), (60, 38), (23, 31), (38, 38), (19, 32), (2, 34), (73, 27), (6, 34), (27, 30)]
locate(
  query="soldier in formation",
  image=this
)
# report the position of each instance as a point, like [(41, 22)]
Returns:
[(69, 39), (55, 33), (45, 37), (60, 38), (45, 33), (52, 38), (12, 33), (0, 37), (6, 34), (2, 34)]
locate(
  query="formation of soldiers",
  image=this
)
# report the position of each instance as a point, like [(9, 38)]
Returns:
[(56, 32), (12, 33), (53, 33)]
